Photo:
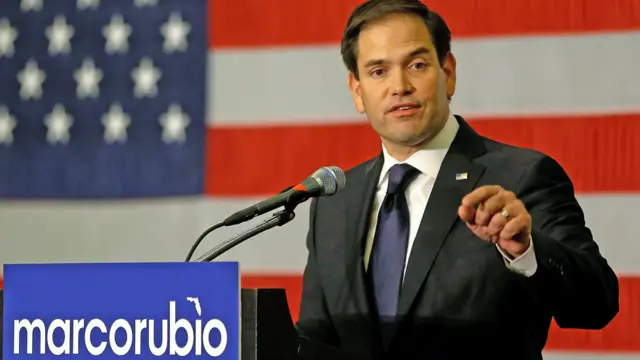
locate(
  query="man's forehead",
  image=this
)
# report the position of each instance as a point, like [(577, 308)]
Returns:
[(368, 53), (397, 35)]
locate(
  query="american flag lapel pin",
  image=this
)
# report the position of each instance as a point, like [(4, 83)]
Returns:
[(461, 176)]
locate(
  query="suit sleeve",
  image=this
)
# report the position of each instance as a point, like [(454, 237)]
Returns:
[(573, 280), (314, 321)]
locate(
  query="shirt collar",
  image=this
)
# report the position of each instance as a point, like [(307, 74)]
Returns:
[(430, 157)]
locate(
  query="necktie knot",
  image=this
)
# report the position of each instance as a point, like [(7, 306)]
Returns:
[(400, 175)]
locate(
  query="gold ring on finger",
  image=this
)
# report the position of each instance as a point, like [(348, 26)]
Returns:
[(505, 213)]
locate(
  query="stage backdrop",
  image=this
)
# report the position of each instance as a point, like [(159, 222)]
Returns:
[(127, 127)]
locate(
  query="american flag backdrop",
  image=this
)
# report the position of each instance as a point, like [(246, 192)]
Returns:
[(127, 127)]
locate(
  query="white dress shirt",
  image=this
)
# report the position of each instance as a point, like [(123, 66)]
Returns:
[(428, 161)]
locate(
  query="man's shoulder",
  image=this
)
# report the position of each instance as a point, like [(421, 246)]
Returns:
[(493, 144), (502, 151), (361, 168), (498, 154), (519, 160)]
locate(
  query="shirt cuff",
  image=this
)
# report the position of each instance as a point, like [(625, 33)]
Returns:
[(525, 264)]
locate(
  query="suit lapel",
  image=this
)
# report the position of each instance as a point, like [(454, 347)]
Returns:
[(358, 213), (457, 177)]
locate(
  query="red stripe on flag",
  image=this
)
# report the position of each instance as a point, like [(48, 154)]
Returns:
[(295, 22), (621, 335), (600, 153)]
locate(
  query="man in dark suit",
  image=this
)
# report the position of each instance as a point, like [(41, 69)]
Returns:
[(448, 244)]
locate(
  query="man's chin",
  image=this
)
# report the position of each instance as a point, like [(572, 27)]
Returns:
[(408, 140)]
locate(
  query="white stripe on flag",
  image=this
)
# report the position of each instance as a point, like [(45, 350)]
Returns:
[(501, 76), (164, 230)]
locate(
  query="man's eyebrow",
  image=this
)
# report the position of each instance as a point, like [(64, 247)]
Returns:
[(376, 62), (420, 51)]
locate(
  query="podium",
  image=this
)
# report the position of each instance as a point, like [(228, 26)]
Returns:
[(145, 310), (267, 327)]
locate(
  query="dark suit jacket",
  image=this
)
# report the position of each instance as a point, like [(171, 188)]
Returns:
[(458, 298)]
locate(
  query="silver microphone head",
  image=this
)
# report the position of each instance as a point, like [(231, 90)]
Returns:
[(331, 178)]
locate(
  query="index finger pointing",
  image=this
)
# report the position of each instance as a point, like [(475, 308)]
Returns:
[(479, 195)]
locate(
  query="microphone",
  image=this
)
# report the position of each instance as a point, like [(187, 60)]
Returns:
[(326, 181)]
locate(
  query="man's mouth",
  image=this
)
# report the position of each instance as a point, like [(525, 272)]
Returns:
[(404, 108)]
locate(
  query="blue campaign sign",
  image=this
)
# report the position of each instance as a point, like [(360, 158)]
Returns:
[(122, 310)]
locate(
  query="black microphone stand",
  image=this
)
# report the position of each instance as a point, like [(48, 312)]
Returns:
[(221, 224), (279, 218)]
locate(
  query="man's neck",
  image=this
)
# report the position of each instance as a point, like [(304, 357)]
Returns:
[(399, 152)]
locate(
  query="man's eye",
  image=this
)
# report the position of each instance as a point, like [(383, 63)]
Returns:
[(420, 66), (377, 73)]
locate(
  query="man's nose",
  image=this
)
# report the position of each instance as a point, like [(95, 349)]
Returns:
[(400, 84)]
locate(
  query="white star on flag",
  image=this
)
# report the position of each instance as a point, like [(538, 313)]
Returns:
[(87, 77), (86, 4), (115, 124), (175, 32), (58, 123), (31, 79), (117, 35), (59, 34), (8, 35), (146, 77), (174, 123), (27, 5), (7, 124), (142, 3)]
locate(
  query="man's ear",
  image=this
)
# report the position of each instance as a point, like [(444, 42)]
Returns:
[(449, 68), (354, 87)]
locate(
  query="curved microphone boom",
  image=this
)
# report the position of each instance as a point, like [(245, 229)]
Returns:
[(210, 230), (280, 218), (326, 181)]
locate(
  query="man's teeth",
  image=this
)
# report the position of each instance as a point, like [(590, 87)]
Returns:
[(404, 108)]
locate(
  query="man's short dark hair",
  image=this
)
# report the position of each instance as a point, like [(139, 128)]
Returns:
[(375, 10)]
